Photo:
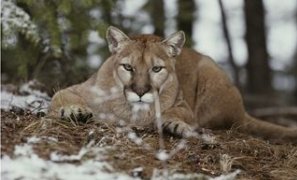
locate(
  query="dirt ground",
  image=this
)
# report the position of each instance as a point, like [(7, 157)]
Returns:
[(257, 159)]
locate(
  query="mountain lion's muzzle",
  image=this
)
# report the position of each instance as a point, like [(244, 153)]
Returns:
[(139, 93)]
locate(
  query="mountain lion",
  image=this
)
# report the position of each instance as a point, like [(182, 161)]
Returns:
[(191, 89)]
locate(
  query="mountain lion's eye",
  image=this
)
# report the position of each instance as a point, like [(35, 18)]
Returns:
[(127, 67), (157, 68)]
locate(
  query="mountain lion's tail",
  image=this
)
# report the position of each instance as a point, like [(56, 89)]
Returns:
[(268, 130)]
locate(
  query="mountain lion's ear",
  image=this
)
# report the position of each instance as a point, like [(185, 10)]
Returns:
[(175, 43), (114, 38)]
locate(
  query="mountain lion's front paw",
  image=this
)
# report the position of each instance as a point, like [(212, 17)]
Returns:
[(76, 113), (179, 128)]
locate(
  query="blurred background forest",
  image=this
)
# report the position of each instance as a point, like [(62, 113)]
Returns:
[(61, 42)]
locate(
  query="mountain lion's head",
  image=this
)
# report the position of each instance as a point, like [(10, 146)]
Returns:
[(143, 64)]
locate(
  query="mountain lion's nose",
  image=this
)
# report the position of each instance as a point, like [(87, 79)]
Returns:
[(140, 90)]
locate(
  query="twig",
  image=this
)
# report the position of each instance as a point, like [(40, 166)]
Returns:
[(159, 120), (160, 130)]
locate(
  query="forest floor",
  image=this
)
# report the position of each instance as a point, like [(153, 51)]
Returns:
[(35, 147), (133, 153)]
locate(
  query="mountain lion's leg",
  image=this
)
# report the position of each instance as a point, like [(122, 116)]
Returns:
[(67, 104), (175, 120)]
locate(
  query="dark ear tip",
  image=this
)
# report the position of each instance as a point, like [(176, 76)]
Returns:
[(182, 32), (110, 29), (108, 32), (183, 35)]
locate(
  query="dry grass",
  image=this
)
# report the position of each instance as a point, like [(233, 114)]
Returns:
[(256, 158)]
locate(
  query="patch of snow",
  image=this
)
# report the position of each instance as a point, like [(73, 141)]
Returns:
[(229, 176), (91, 132), (52, 139), (23, 150), (58, 157), (162, 155), (29, 166), (33, 139), (34, 100), (164, 174), (136, 172), (134, 138), (138, 169), (90, 149), (209, 139), (26, 88)]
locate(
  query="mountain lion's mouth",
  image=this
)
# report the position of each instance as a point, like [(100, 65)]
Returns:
[(133, 98), (141, 102)]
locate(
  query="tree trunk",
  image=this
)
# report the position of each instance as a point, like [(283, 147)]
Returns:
[(185, 19), (258, 70), (158, 16), (294, 71)]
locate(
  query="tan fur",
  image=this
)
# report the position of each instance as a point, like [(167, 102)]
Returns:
[(193, 90)]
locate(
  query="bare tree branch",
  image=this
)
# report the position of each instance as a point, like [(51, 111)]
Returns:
[(229, 46)]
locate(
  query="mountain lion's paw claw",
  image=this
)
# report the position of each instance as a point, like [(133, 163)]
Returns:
[(76, 113), (179, 128)]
